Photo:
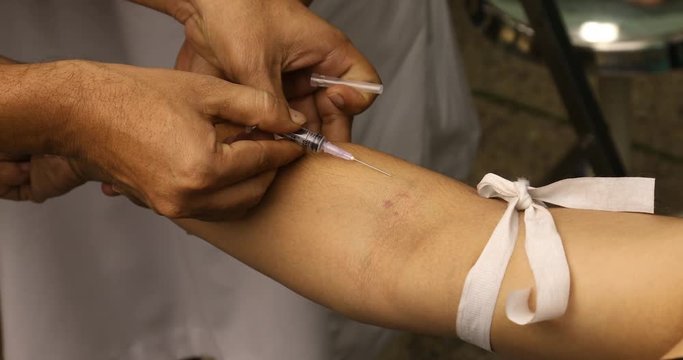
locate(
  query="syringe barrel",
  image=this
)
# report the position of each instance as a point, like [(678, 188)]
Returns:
[(308, 139)]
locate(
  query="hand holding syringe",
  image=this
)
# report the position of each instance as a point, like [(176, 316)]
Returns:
[(317, 142)]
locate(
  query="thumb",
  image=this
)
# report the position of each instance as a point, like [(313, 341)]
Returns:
[(245, 105), (262, 78), (270, 80)]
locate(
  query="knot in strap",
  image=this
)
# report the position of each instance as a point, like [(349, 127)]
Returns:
[(524, 200), (543, 247)]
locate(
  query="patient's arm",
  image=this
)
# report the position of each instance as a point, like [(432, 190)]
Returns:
[(394, 251)]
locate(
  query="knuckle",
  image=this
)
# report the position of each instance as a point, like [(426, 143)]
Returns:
[(195, 181), (194, 175)]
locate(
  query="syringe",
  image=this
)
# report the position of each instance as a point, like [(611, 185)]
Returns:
[(318, 143)]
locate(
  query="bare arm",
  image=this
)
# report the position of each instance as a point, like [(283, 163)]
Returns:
[(32, 114), (394, 251)]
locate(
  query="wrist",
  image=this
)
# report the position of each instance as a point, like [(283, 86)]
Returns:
[(35, 101), (74, 93)]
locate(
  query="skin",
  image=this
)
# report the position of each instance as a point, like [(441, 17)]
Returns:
[(275, 45), (385, 251), (394, 251), (174, 161)]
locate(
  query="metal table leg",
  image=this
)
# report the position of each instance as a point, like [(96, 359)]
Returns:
[(551, 38), (614, 92)]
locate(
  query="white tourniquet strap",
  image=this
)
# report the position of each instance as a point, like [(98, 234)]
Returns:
[(543, 247)]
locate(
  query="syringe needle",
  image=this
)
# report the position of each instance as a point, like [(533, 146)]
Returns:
[(372, 167)]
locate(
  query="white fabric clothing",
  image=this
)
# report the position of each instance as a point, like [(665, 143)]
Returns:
[(425, 114), (87, 277)]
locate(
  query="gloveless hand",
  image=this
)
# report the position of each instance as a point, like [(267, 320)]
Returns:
[(275, 45), (151, 134), (37, 178)]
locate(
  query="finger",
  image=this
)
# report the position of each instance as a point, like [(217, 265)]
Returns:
[(108, 189), (244, 159), (247, 106), (134, 196), (16, 193), (14, 174), (234, 201), (335, 124), (297, 84), (349, 64), (308, 107), (346, 98), (332, 111), (185, 56), (52, 176), (269, 80)]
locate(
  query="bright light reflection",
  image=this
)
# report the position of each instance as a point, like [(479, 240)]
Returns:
[(599, 32)]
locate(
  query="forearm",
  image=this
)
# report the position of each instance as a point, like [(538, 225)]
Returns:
[(347, 236), (35, 100), (394, 251)]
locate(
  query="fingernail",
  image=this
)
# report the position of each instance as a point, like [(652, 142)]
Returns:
[(25, 166), (249, 129), (297, 117), (337, 99)]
